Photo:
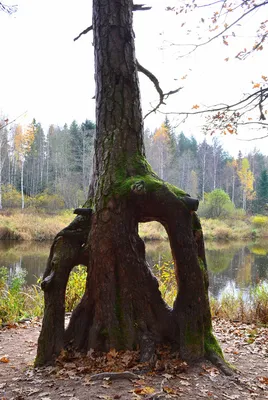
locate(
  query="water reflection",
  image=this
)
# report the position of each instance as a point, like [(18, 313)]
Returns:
[(231, 266), (30, 256)]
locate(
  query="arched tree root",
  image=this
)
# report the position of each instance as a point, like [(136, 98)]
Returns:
[(122, 307), (68, 249)]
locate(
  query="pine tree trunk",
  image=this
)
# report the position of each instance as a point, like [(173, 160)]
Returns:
[(122, 307)]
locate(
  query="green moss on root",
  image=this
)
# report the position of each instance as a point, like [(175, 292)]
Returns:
[(212, 345)]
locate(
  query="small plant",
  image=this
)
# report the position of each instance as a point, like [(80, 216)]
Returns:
[(167, 281), (11, 298), (75, 287)]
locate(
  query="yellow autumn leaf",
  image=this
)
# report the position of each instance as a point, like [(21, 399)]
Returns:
[(169, 390), (256, 85), (264, 78), (195, 107), (144, 390), (184, 77)]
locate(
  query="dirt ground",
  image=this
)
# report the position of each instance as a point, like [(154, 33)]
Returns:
[(245, 347)]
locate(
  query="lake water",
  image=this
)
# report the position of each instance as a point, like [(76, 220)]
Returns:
[(231, 266)]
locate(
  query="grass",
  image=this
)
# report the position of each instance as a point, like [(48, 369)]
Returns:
[(18, 301), (152, 231), (234, 306), (20, 225), (213, 229)]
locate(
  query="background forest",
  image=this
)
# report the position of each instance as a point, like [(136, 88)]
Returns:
[(52, 170)]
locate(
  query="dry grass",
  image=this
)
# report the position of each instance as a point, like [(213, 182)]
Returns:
[(226, 230), (152, 231), (235, 307), (18, 225), (22, 226)]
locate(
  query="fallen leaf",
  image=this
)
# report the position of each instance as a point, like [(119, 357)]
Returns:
[(4, 359), (112, 354), (170, 390), (263, 379), (144, 390)]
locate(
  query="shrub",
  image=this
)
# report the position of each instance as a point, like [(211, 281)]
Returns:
[(217, 205), (11, 198), (48, 202), (259, 221)]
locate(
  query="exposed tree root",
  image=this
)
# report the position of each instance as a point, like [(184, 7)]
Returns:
[(122, 307), (114, 376), (68, 249), (220, 363)]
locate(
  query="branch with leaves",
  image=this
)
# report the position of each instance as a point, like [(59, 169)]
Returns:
[(225, 118), (226, 9)]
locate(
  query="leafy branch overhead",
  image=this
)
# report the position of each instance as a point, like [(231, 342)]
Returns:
[(226, 118), (224, 17)]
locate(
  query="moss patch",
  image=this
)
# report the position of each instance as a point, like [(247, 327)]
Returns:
[(212, 345), (174, 189)]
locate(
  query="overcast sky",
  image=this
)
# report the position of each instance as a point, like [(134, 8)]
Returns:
[(47, 74)]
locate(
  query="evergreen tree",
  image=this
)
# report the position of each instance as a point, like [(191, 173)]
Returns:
[(262, 191)]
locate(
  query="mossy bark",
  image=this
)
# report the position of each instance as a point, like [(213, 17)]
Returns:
[(122, 306)]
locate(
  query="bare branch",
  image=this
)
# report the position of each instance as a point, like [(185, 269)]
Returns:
[(261, 94), (262, 124), (84, 32), (11, 122), (140, 7), (8, 9), (162, 95), (250, 140), (136, 7)]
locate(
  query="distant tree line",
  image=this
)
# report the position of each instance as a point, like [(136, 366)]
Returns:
[(53, 170), (200, 168), (45, 170)]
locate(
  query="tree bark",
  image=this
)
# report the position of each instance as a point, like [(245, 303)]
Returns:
[(122, 307)]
